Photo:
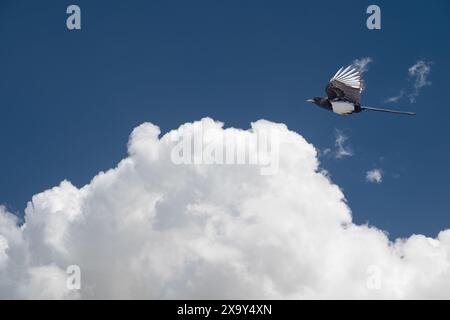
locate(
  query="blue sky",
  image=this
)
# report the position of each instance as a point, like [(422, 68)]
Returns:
[(69, 99)]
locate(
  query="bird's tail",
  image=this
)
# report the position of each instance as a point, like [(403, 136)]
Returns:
[(363, 108)]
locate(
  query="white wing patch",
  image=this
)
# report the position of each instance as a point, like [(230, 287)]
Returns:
[(342, 107), (349, 76)]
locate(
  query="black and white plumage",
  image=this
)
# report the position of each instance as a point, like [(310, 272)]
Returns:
[(344, 94)]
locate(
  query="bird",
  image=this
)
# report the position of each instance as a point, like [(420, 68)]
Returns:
[(343, 94)]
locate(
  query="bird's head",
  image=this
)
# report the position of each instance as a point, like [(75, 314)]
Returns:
[(315, 100)]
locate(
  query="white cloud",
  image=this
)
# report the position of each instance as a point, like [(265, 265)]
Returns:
[(3, 248), (362, 64), (324, 152), (374, 175), (152, 229), (342, 149), (419, 72), (396, 98)]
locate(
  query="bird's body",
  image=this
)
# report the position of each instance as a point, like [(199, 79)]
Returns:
[(341, 107), (344, 94)]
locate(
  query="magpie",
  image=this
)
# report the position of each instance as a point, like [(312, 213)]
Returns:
[(344, 93)]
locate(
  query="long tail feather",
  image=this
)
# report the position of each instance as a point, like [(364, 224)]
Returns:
[(389, 110)]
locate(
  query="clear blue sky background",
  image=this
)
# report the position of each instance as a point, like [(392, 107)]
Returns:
[(69, 100)]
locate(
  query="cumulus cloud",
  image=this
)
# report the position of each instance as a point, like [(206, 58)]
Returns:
[(149, 228), (374, 175), (362, 64)]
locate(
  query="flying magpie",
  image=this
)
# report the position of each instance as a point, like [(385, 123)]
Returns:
[(344, 93)]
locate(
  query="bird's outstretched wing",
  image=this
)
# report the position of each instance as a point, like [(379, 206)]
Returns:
[(346, 85)]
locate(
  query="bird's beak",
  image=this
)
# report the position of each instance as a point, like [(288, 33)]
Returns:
[(310, 100)]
